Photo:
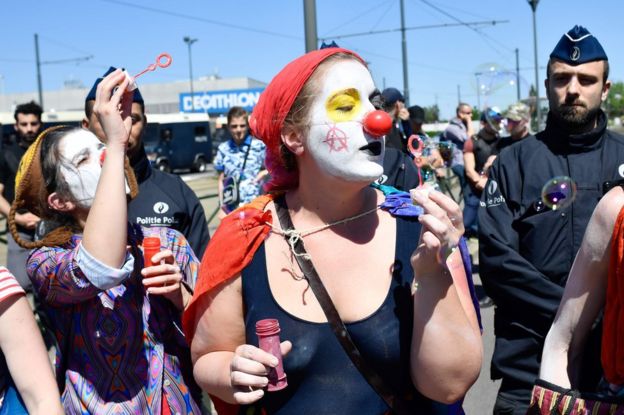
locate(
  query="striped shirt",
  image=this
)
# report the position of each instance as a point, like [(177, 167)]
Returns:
[(8, 284), (8, 287)]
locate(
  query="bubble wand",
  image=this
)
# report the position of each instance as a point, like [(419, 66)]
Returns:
[(415, 147), (162, 61)]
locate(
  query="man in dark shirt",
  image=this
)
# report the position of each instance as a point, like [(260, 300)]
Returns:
[(517, 122), (393, 103), (526, 249), (27, 127), (479, 153), (164, 199)]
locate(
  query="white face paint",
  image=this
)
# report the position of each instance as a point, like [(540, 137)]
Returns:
[(336, 140), (81, 168)]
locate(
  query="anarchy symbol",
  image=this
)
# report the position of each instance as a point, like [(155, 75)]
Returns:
[(336, 139)]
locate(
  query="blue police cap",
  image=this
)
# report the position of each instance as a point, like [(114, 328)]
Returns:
[(392, 95), (333, 44), (578, 46), (137, 97)]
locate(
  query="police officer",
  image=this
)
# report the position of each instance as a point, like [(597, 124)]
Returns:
[(164, 199), (527, 248)]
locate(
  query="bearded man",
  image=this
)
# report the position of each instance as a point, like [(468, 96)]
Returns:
[(27, 127), (527, 248)]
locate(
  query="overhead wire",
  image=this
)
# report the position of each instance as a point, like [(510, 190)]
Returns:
[(65, 45), (351, 46), (17, 60), (390, 3), (395, 59), (491, 41), (202, 19), (390, 6), (468, 12)]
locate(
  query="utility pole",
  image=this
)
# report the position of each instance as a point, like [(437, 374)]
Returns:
[(477, 74), (458, 95), (517, 74), (1, 91), (404, 53), (309, 17), (403, 29), (189, 42), (538, 112), (38, 70), (39, 63)]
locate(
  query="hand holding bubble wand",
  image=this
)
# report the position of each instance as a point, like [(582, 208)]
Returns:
[(162, 61), (415, 148)]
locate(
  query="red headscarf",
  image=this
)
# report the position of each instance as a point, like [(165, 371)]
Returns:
[(268, 116)]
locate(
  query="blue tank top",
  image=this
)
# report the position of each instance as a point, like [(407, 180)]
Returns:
[(321, 377)]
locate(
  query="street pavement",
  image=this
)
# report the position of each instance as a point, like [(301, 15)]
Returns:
[(481, 397), (479, 400)]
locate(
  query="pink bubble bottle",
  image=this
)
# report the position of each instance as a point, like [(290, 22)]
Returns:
[(269, 340)]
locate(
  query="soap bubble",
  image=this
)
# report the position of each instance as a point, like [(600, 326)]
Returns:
[(559, 192), (538, 205), (491, 77)]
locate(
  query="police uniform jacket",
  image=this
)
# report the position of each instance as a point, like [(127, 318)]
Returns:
[(165, 200), (526, 249), (399, 170)]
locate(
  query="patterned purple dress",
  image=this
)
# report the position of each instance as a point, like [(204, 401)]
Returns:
[(119, 351)]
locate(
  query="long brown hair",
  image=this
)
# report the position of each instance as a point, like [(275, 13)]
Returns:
[(39, 175)]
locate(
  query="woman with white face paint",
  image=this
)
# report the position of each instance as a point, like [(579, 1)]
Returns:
[(397, 283), (116, 319)]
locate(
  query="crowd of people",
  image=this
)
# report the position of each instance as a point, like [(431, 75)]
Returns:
[(333, 227)]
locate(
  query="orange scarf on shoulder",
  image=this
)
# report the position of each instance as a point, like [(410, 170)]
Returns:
[(229, 251)]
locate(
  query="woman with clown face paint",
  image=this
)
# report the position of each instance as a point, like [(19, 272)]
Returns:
[(398, 283), (120, 349)]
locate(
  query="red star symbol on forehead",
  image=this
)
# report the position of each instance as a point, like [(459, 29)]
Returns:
[(336, 138)]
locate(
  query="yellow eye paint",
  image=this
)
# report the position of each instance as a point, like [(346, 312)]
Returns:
[(343, 105)]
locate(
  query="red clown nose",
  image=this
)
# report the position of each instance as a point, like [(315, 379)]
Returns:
[(102, 157), (377, 123)]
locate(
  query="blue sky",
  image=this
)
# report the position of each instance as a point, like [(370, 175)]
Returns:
[(257, 38)]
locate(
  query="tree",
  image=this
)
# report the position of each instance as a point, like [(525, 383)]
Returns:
[(432, 113), (476, 114), (532, 92), (533, 104), (614, 105)]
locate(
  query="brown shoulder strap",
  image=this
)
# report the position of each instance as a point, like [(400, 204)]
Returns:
[(398, 405)]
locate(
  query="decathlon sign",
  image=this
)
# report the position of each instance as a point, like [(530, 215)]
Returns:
[(219, 102)]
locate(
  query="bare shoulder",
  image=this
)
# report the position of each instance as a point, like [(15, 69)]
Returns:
[(608, 209), (600, 226), (219, 319)]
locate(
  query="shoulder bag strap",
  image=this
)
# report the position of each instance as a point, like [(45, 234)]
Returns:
[(398, 405), (246, 155)]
